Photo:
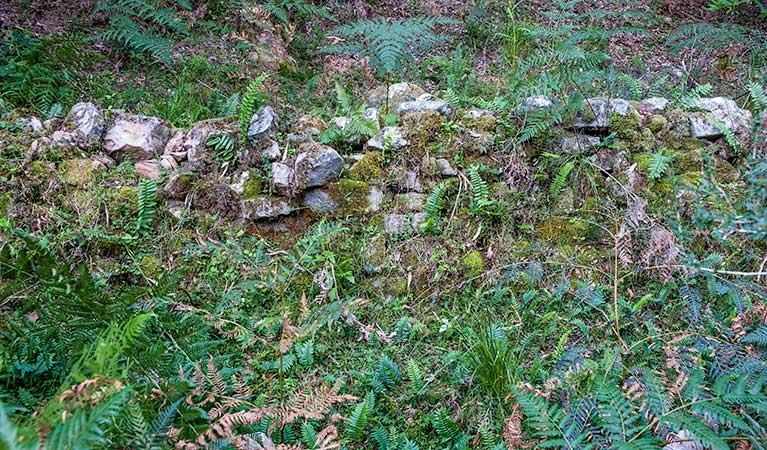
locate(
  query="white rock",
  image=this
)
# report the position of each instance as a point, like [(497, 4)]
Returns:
[(262, 124), (393, 135), (282, 179), (537, 102), (87, 121), (723, 110), (265, 208), (654, 105), (440, 106), (136, 137), (597, 111), (375, 200)]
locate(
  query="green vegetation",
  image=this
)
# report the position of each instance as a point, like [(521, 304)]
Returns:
[(533, 251)]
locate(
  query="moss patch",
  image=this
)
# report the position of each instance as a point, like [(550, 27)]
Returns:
[(367, 169)]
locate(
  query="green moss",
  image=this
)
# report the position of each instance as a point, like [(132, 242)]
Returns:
[(631, 135), (565, 231), (80, 172), (367, 169), (422, 129), (473, 261), (252, 188), (150, 266), (656, 122), (484, 123), (353, 196)]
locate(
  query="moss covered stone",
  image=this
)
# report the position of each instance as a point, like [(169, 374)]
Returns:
[(354, 196), (80, 172), (656, 123), (367, 169), (473, 261), (421, 129)]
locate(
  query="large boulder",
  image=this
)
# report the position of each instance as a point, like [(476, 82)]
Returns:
[(723, 112), (315, 165), (136, 137), (597, 113)]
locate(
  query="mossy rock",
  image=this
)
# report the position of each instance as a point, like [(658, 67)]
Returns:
[(566, 231), (252, 188), (80, 172), (656, 123), (477, 122), (353, 196), (473, 262), (422, 129), (367, 169)]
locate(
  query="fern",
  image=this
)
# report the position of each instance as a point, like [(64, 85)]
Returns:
[(416, 376), (729, 136), (389, 43), (660, 163), (560, 180), (758, 97), (758, 337), (9, 435), (143, 26), (86, 429), (448, 431), (434, 205), (689, 99), (252, 99), (223, 146), (481, 202), (147, 202), (32, 72), (153, 436), (387, 375), (358, 421)]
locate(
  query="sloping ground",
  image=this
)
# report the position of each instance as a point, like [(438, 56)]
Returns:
[(452, 283)]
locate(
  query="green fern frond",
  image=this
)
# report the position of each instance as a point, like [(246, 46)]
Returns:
[(560, 180), (86, 429), (390, 43), (660, 163), (223, 145), (252, 99), (416, 376), (757, 336), (357, 423), (147, 203), (434, 205), (481, 202), (689, 99)]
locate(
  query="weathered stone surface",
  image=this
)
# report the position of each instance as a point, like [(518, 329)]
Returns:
[(724, 111), (410, 201), (654, 105), (411, 183), (445, 169), (479, 120), (87, 123), (425, 103), (320, 202), (148, 169), (136, 137), (178, 185), (596, 113), (396, 223), (375, 200), (396, 94), (261, 208), (390, 137), (537, 102), (271, 151), (34, 126), (578, 144), (262, 124), (80, 172), (283, 181), (316, 165), (190, 145)]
